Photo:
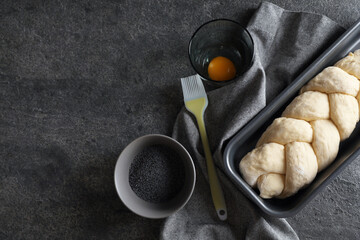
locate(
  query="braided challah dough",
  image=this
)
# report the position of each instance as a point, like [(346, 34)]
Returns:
[(306, 138)]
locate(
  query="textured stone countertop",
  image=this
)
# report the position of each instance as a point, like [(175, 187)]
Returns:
[(81, 79)]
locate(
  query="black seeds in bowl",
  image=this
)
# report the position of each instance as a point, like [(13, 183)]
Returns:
[(157, 174)]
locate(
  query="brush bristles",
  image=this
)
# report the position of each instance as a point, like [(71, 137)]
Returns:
[(192, 87)]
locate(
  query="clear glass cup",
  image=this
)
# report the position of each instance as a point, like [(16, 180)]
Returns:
[(221, 37)]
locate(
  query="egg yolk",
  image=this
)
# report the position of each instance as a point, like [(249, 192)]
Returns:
[(221, 69)]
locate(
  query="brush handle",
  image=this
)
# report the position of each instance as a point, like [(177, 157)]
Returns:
[(216, 191)]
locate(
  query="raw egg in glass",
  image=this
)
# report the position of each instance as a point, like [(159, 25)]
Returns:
[(221, 69)]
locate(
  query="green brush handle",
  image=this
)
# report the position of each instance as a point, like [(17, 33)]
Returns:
[(216, 191)]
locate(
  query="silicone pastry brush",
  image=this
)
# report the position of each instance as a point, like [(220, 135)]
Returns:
[(196, 101)]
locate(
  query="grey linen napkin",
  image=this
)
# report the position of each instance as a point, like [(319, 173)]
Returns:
[(285, 43)]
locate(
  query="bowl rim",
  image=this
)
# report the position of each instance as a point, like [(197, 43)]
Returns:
[(171, 210)]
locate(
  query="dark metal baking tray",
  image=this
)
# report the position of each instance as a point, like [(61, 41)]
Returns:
[(245, 140)]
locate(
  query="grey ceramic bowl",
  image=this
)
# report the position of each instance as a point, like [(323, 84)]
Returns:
[(128, 196)]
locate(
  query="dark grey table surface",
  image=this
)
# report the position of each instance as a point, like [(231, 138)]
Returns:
[(81, 79)]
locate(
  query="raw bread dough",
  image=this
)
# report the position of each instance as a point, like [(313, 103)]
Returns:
[(325, 143), (264, 159), (285, 130), (306, 138), (351, 64), (308, 106), (333, 80), (344, 113), (271, 185), (301, 167)]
